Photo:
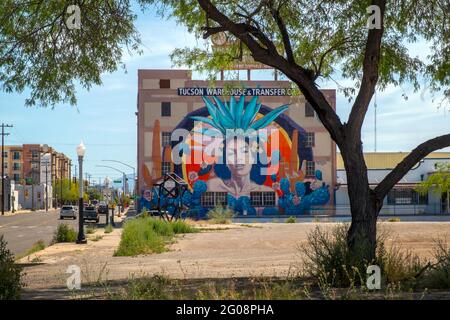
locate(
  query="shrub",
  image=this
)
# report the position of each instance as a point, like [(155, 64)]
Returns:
[(10, 274), (438, 274), (64, 233), (329, 261), (109, 228), (220, 215), (149, 235), (291, 220), (90, 230), (38, 246)]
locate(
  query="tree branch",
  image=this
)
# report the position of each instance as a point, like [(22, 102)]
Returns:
[(255, 39), (283, 30), (370, 75), (407, 163)]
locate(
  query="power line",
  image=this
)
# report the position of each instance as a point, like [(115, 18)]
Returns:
[(3, 164)]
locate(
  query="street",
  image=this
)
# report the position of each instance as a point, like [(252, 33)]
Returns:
[(21, 231)]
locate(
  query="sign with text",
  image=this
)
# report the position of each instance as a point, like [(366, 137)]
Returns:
[(235, 91)]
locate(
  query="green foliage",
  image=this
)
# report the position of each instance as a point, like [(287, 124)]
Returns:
[(220, 215), (439, 181), (38, 246), (327, 37), (149, 235), (438, 275), (94, 194), (109, 228), (329, 261), (291, 220), (69, 191), (10, 274), (64, 233), (90, 229), (38, 51)]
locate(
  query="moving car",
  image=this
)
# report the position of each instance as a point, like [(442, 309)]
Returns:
[(90, 214), (67, 212), (102, 208)]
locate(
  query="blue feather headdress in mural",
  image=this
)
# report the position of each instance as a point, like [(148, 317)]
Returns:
[(237, 116)]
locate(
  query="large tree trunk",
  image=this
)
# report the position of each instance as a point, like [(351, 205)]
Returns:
[(364, 206)]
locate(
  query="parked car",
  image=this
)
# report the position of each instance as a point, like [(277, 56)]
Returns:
[(90, 214), (102, 208), (67, 212)]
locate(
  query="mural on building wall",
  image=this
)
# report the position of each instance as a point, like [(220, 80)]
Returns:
[(253, 156)]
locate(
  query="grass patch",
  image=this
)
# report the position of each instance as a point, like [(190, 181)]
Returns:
[(90, 230), (394, 219), (149, 235), (291, 220), (38, 246), (109, 228), (64, 233), (97, 238), (220, 215)]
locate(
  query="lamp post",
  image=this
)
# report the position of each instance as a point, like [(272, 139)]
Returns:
[(123, 180), (134, 174), (81, 149)]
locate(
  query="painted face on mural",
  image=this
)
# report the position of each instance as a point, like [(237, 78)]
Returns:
[(239, 157)]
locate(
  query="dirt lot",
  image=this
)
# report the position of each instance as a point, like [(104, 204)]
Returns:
[(268, 249)]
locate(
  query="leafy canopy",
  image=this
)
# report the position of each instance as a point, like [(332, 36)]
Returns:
[(39, 52), (329, 37)]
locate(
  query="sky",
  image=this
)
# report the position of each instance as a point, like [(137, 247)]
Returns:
[(105, 120)]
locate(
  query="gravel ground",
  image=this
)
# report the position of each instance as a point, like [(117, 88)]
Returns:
[(267, 249)]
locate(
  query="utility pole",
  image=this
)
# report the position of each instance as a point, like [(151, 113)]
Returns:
[(3, 164)]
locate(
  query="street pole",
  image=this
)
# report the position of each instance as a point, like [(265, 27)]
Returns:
[(3, 164), (81, 237)]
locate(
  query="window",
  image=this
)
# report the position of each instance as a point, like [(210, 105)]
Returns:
[(262, 199), (166, 167), (310, 140), (221, 198), (207, 199), (405, 196), (16, 155), (309, 111), (35, 154), (16, 166), (5, 165), (16, 177), (310, 168), (166, 109), (164, 84), (34, 166), (166, 138), (5, 154)]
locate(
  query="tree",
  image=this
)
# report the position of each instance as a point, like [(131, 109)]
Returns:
[(311, 39), (48, 46), (438, 182)]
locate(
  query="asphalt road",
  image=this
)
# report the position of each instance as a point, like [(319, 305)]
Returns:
[(21, 231)]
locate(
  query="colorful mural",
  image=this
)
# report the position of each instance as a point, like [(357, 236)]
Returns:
[(253, 154)]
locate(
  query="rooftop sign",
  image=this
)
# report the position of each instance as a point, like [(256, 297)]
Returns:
[(235, 91)]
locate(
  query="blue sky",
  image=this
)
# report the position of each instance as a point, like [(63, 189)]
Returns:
[(105, 116)]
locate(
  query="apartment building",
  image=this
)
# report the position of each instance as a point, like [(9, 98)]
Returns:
[(29, 163), (171, 99)]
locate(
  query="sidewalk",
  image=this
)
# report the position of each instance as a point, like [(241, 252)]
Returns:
[(17, 212)]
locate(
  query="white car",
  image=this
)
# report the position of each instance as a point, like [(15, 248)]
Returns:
[(67, 212)]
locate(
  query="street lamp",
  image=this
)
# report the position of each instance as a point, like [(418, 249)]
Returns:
[(81, 149), (134, 174), (123, 180)]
